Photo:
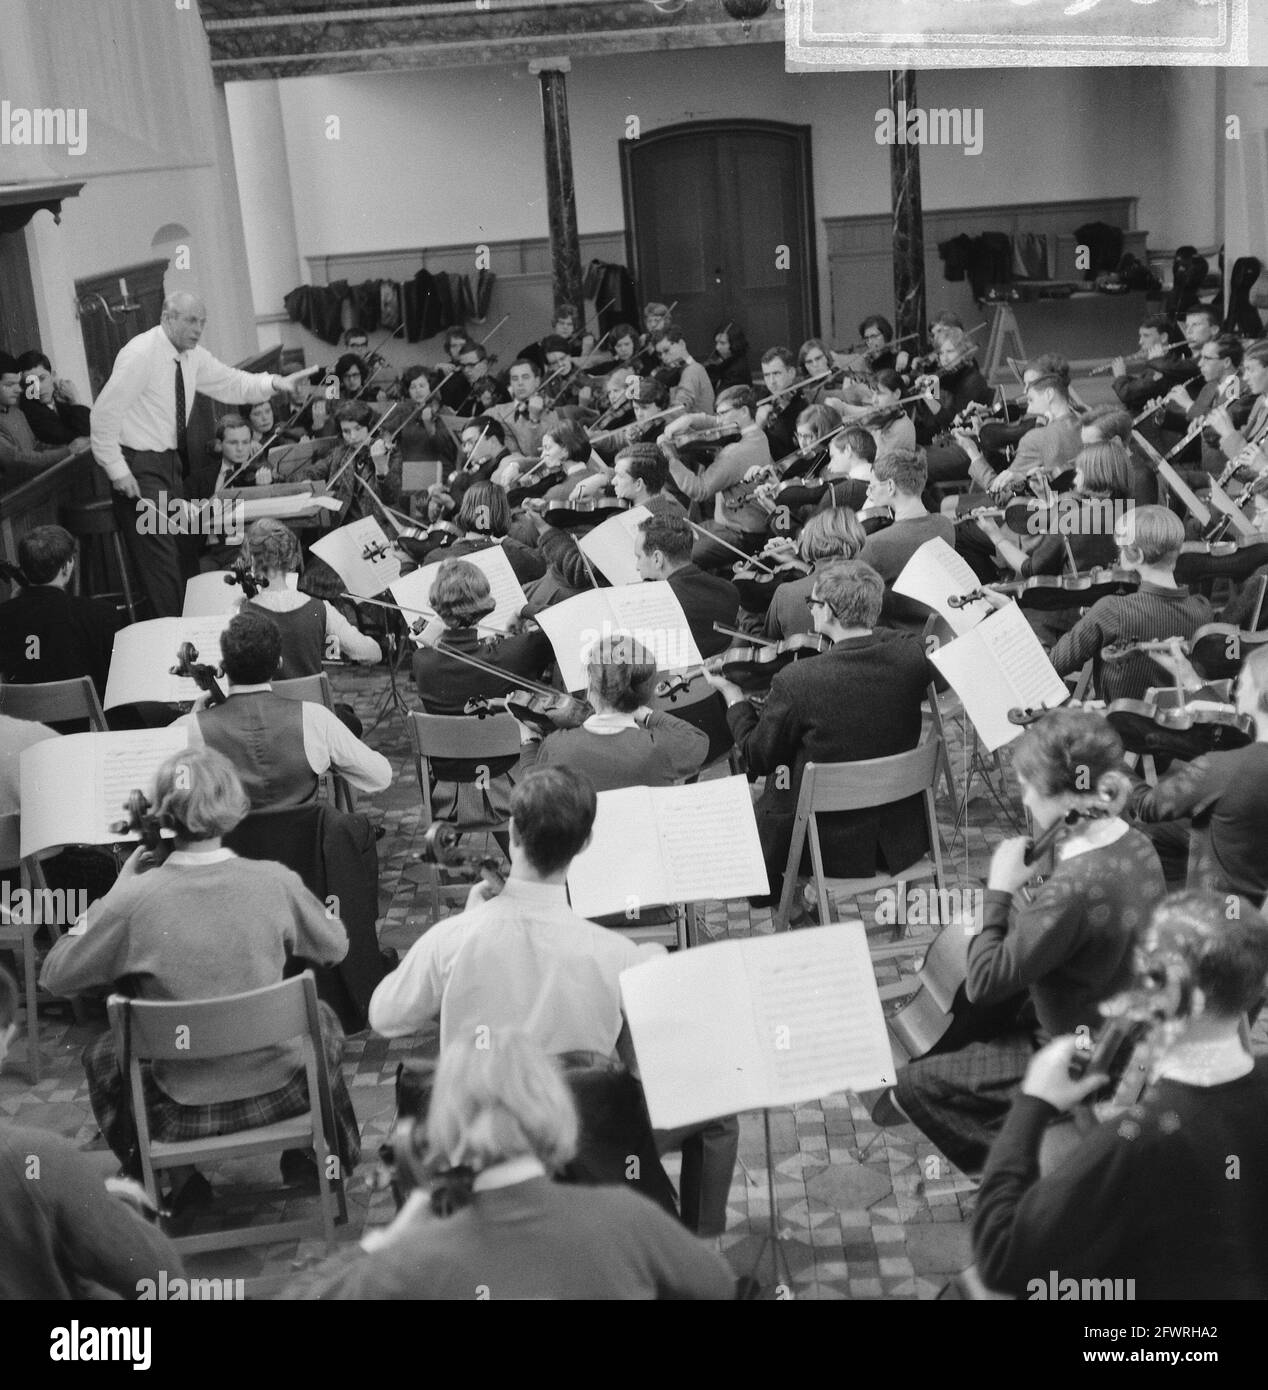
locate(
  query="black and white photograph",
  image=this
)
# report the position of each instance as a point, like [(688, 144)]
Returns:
[(633, 664)]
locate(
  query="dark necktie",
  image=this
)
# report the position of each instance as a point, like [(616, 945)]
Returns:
[(182, 441)]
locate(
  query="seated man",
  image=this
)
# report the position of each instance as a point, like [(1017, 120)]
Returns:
[(21, 454), (1148, 1199), (1208, 819), (1161, 364), (640, 475), (67, 1234), (524, 960), (826, 710), (692, 390), (1149, 541), (524, 417), (280, 748), (49, 402), (47, 633), (738, 521), (898, 479)]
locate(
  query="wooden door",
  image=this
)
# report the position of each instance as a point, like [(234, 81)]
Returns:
[(19, 323), (719, 216)]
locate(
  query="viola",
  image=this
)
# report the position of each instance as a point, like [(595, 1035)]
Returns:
[(1234, 558), (759, 662), (544, 474), (1216, 650), (143, 822), (442, 847), (546, 712), (1053, 592), (703, 434), (1151, 727), (203, 675), (757, 585)]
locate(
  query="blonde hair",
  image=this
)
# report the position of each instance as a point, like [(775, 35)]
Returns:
[(500, 1101), (199, 794), (835, 532), (271, 546)]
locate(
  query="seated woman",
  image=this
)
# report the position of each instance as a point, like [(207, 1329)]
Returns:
[(203, 924), (461, 598), (728, 363), (484, 519), (827, 536), (893, 429), (425, 437), (312, 630), (501, 1123), (624, 743)]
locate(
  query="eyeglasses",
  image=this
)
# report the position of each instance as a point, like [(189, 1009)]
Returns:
[(813, 602)]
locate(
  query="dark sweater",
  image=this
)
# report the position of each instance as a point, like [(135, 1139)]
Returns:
[(661, 753), (1149, 1196), (1071, 947), (60, 1230), (539, 1240)]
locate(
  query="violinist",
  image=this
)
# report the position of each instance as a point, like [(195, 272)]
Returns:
[(778, 417), (960, 383), (484, 455), (1043, 961), (568, 445), (1150, 1199), (649, 399), (312, 630), (569, 390), (826, 710), (1208, 818), (737, 519), (692, 390), (483, 519), (1111, 424), (876, 333), (618, 409), (656, 319), (728, 363), (423, 437), (461, 599), (1102, 476), (525, 416), (1219, 361), (355, 382), (640, 475), (891, 426), (624, 743), (473, 388), (234, 448), (1162, 364), (829, 535), (842, 482), (1233, 441), (201, 925), (898, 479), (814, 357), (624, 339), (1148, 541), (280, 748)]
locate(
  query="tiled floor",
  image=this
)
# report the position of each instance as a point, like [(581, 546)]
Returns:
[(863, 1212)]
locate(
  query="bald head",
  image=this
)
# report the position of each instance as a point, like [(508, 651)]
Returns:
[(184, 316)]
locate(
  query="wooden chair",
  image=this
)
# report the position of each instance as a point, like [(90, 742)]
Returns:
[(827, 787), (203, 1029), (20, 936), (937, 632), (459, 737), (318, 689), (54, 702)]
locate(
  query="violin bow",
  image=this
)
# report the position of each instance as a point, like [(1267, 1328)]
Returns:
[(734, 549), (268, 443), (426, 613)]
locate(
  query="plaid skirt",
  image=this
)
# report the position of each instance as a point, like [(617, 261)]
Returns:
[(172, 1123), (961, 1099)]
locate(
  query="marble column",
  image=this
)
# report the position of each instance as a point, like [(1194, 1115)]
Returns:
[(909, 226), (561, 201)]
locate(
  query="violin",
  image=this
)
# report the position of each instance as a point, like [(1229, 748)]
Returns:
[(1183, 732), (583, 511), (1234, 558), (145, 823), (1052, 592), (1216, 650), (702, 434), (761, 661), (757, 584), (204, 676), (544, 711), (441, 846)]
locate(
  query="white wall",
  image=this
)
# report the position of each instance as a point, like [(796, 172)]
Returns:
[(434, 158)]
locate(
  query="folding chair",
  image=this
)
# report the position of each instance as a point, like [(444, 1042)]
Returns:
[(201, 1029), (54, 702), (465, 738), (317, 689), (828, 787), (20, 936)]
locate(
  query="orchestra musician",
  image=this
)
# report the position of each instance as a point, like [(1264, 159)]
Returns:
[(728, 363), (842, 482), (423, 436), (280, 748), (894, 429), (814, 357), (834, 534), (692, 390), (877, 333), (1040, 960), (624, 340), (525, 416), (1161, 365), (1208, 818), (960, 384), (640, 473), (484, 454), (737, 519), (656, 319), (648, 397), (1219, 359), (825, 709), (1234, 441), (778, 417), (1148, 541), (1148, 1197), (484, 519)]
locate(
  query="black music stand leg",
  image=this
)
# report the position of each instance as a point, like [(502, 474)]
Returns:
[(393, 701), (771, 1238)]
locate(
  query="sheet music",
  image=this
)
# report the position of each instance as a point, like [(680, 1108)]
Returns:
[(708, 841), (655, 617), (610, 546), (996, 667), (343, 549), (75, 787), (934, 573), (414, 590), (742, 1025), (144, 653), (208, 596), (624, 834)]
